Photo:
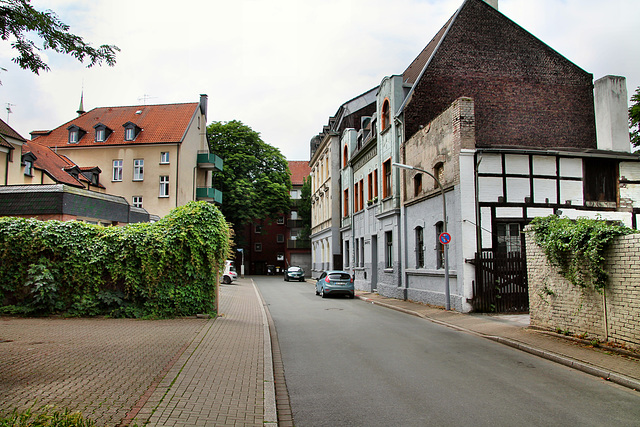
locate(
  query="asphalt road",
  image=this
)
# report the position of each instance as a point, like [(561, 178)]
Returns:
[(350, 363)]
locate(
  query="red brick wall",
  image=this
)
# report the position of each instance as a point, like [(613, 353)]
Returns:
[(525, 93)]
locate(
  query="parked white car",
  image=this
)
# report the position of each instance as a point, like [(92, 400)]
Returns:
[(229, 273)]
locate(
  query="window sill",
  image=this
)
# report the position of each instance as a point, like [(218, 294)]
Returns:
[(137, 180), (388, 270), (163, 197)]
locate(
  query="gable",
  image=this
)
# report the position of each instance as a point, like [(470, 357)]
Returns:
[(518, 84)]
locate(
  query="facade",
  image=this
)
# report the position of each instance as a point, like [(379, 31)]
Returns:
[(510, 128), (11, 166), (155, 156), (298, 249)]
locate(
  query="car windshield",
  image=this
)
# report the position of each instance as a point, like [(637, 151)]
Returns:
[(294, 268), (339, 276)]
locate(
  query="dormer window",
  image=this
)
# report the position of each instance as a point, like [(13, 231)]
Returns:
[(27, 161), (102, 132), (131, 131), (75, 134)]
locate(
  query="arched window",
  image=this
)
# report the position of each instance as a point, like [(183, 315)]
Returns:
[(345, 156), (385, 114)]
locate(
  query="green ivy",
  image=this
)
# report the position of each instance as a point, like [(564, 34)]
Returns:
[(164, 269), (577, 247)]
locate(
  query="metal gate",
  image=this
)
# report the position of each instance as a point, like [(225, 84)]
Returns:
[(501, 283)]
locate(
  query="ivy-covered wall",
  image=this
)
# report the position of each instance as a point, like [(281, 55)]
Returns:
[(612, 314), (163, 269)]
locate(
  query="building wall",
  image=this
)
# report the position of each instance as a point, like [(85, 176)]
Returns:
[(525, 93), (614, 315), (11, 169)]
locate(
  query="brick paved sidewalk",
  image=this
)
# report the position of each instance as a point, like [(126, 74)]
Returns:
[(225, 378)]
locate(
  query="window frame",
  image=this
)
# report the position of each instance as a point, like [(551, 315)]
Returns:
[(386, 176), (388, 253), (138, 170), (136, 201), (439, 227), (117, 170), (419, 235), (164, 185), (164, 161)]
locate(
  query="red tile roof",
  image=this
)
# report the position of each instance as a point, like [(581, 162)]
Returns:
[(166, 123), (51, 163), (299, 171), (7, 130)]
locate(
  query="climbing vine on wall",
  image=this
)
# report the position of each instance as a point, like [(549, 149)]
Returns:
[(577, 247), (164, 269)]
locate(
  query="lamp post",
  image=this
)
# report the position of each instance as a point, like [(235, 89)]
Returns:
[(447, 297), (242, 265)]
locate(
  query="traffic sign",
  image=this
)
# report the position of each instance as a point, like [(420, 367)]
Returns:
[(445, 238)]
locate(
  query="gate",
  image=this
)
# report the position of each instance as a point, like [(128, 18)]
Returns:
[(501, 283)]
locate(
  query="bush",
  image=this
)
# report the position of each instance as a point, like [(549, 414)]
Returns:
[(164, 269), (47, 416)]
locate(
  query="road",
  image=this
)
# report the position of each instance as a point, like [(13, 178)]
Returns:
[(350, 363)]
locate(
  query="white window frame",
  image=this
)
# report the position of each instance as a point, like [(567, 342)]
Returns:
[(129, 134), (138, 169), (100, 135), (164, 158), (137, 201), (116, 175), (28, 167), (164, 186), (258, 247), (74, 136)]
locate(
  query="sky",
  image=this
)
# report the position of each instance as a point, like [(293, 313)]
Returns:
[(282, 67)]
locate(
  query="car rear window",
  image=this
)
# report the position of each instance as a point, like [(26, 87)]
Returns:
[(294, 268), (339, 276)]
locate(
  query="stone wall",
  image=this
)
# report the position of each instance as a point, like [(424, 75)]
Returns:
[(614, 315)]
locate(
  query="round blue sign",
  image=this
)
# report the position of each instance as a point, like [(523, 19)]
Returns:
[(445, 238)]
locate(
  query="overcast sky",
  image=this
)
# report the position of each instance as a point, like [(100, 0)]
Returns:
[(281, 67)]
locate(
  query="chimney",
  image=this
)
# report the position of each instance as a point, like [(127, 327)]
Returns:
[(612, 114), (204, 100), (492, 3)]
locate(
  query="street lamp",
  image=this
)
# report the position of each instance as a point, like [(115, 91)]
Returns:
[(242, 265), (447, 297)]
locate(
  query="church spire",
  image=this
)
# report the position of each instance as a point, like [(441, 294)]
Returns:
[(81, 107)]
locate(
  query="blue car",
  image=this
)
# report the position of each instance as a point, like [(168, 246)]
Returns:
[(335, 282)]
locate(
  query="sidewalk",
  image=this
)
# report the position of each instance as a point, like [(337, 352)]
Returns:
[(225, 377), (514, 331)]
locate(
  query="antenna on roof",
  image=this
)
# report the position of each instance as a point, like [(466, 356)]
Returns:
[(9, 105), (145, 97)]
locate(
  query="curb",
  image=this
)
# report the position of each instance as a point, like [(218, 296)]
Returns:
[(587, 368)]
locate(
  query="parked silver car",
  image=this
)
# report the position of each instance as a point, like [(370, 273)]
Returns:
[(335, 282), (294, 273)]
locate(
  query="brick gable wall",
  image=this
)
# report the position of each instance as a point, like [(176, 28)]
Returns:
[(525, 93)]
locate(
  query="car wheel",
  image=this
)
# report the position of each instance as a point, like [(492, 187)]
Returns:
[(302, 280), (352, 296), (317, 293), (323, 293), (226, 280)]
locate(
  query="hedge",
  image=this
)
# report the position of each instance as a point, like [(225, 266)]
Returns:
[(162, 269)]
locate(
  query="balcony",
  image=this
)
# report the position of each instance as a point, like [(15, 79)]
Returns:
[(207, 160), (209, 194), (299, 244), (295, 223)]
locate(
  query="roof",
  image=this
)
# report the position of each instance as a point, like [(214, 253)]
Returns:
[(165, 123), (51, 163), (7, 131), (299, 171), (414, 70)]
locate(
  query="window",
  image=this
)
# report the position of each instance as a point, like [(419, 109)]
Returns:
[(28, 167), (138, 170), (102, 132), (370, 186), (75, 134), (164, 158), (345, 156), (295, 194), (99, 135), (73, 137), (600, 180), (361, 194), (356, 201), (362, 252), (386, 115), (258, 247), (509, 237), (417, 184), (137, 201), (280, 238), (375, 183), (258, 229), (419, 247), (280, 256), (345, 204), (438, 172), (294, 214), (386, 171), (439, 246), (281, 220), (347, 255), (117, 170), (164, 186), (388, 253), (294, 234), (129, 134), (357, 253)]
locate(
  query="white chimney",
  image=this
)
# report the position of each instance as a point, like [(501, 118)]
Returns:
[(612, 114), (493, 3)]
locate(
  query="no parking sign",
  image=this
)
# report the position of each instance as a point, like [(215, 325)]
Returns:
[(445, 238)]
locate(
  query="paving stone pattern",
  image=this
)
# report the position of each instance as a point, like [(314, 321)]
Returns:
[(100, 367)]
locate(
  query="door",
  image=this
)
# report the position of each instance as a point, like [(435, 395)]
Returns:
[(374, 263)]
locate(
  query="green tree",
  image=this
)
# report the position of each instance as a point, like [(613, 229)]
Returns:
[(634, 118), (304, 210), (18, 18), (255, 182)]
